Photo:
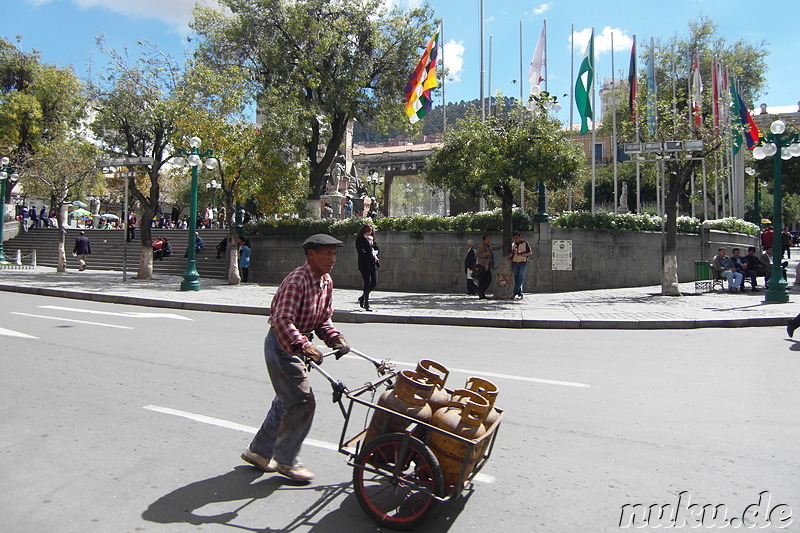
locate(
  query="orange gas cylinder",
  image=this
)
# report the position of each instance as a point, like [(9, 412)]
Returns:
[(410, 397), (463, 417), (435, 373), (488, 390)]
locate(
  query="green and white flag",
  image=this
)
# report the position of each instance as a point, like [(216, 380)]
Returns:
[(583, 86)]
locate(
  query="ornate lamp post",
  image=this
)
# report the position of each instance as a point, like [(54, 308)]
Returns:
[(777, 143), (213, 186), (193, 157), (4, 177), (546, 102), (374, 179)]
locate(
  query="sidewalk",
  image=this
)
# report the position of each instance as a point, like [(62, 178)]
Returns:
[(627, 308)]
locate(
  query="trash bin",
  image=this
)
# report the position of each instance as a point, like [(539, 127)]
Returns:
[(702, 276)]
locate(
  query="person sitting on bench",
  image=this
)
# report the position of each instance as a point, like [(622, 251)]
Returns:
[(740, 265), (724, 267)]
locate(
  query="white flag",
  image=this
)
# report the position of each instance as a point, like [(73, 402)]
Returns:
[(537, 63)]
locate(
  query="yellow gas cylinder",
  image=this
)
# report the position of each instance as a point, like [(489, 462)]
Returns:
[(410, 397), (488, 390), (464, 417), (435, 373)]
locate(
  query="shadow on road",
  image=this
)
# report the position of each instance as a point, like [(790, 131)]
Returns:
[(240, 488)]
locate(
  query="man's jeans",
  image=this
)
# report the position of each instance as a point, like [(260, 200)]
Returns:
[(519, 277), (734, 279), (289, 419)]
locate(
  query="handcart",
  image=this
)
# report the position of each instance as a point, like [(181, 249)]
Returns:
[(396, 476)]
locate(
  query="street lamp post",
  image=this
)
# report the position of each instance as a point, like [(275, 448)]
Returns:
[(781, 146), (193, 157), (4, 177), (374, 179)]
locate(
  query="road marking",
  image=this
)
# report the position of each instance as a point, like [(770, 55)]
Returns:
[(71, 320), (11, 333), (506, 376), (483, 478), (127, 314)]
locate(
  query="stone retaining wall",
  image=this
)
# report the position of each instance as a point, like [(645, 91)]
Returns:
[(601, 259)]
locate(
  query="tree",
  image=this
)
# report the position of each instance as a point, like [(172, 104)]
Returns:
[(324, 62), (261, 162), (139, 104), (39, 103), (493, 157), (58, 168), (675, 121)]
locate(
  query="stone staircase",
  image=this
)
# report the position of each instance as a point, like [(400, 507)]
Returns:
[(108, 250)]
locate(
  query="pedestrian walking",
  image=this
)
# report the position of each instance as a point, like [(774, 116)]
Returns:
[(132, 221), (792, 325), (302, 306), (368, 262), (81, 249), (244, 258), (469, 265)]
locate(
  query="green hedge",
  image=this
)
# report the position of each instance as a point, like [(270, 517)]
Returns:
[(489, 221)]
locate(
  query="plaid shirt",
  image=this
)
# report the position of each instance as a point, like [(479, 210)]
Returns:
[(301, 305)]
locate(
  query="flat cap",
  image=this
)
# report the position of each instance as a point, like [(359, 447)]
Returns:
[(319, 240)]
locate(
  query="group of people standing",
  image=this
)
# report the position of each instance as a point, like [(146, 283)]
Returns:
[(479, 263)]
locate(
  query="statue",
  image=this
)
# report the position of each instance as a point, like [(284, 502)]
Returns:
[(623, 199)]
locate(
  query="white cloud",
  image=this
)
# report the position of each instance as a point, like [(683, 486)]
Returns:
[(175, 13), (602, 40), (542, 8), (454, 59), (404, 4)]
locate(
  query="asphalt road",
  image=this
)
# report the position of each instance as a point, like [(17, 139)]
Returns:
[(117, 418)]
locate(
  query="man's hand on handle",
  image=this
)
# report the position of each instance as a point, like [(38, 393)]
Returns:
[(340, 345), (313, 354)]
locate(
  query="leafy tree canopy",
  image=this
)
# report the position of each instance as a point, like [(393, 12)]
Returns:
[(325, 62)]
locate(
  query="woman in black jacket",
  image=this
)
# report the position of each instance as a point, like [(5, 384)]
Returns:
[(368, 262)]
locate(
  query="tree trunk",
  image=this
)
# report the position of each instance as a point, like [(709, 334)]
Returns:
[(678, 177), (62, 237), (504, 275), (145, 270), (232, 256)]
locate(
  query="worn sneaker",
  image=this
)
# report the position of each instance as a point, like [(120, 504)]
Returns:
[(296, 472), (267, 465)]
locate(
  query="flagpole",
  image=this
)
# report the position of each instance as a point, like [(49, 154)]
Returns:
[(635, 108), (594, 130), (614, 127), (571, 93), (522, 104), (491, 55), (705, 190), (444, 75), (520, 64), (483, 104), (544, 55), (674, 95)]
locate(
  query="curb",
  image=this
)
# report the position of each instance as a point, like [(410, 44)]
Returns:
[(356, 317)]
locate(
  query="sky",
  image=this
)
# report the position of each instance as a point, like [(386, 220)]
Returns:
[(65, 31)]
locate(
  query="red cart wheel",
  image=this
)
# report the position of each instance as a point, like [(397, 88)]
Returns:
[(397, 500)]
